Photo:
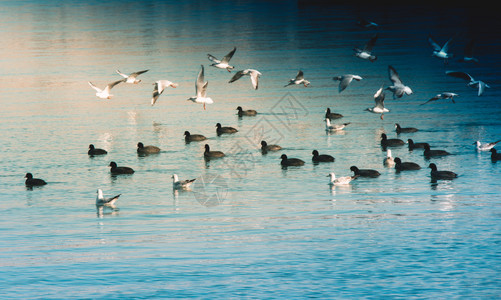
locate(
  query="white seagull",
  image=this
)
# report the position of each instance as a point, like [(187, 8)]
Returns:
[(398, 88), (132, 77), (254, 75), (340, 180), (366, 23), (441, 52), (379, 107), (160, 86), (298, 80), (471, 81), (334, 127), (366, 52), (345, 80), (181, 184), (468, 53), (388, 160), (444, 95), (223, 63), (485, 146), (105, 93), (102, 201), (201, 90)]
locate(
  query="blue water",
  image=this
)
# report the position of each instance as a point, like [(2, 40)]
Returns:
[(248, 228)]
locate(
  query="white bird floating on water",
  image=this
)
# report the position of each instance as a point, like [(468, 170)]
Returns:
[(254, 76), (444, 95), (379, 107), (485, 146), (389, 160), (181, 184), (334, 127), (366, 52), (471, 81), (132, 77), (223, 63), (160, 86), (105, 93), (398, 88), (201, 90), (102, 201), (340, 180), (345, 80), (441, 52), (298, 80)]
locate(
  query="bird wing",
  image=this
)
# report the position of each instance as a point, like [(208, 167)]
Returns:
[(379, 98), (122, 74), (157, 91), (203, 90), (227, 57), (111, 199), (200, 83), (135, 74), (213, 59), (299, 75), (255, 78), (394, 75), (237, 76), (459, 74), (95, 87), (370, 44), (433, 44), (445, 48), (345, 81), (111, 85), (432, 99)]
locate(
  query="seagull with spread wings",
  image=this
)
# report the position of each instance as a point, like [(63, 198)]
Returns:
[(160, 86), (223, 63), (366, 52), (254, 76), (298, 80), (398, 88), (132, 77), (105, 93), (201, 90)]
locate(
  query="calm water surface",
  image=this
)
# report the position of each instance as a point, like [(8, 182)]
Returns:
[(248, 229)]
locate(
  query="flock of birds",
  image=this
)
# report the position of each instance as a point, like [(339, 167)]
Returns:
[(398, 88)]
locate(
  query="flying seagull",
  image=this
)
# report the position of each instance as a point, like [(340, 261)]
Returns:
[(131, 78), (468, 53), (298, 80), (379, 107), (398, 88), (201, 90), (254, 75), (364, 23), (366, 52), (444, 95), (345, 80), (105, 93), (441, 52), (223, 63), (160, 86), (471, 81)]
